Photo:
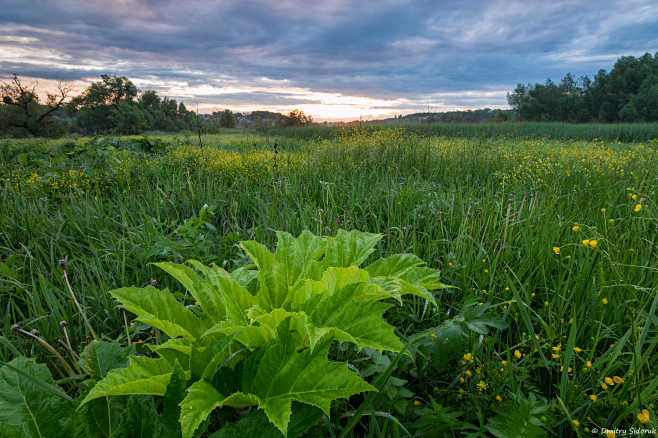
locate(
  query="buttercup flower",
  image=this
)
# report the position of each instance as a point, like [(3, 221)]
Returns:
[(644, 416)]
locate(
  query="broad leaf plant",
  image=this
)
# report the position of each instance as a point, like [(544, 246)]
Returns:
[(260, 336)]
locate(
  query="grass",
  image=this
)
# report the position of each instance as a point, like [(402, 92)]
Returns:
[(546, 231), (624, 132)]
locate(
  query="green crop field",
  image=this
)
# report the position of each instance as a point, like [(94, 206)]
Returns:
[(544, 322)]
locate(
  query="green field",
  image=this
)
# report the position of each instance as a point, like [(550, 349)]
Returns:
[(550, 328)]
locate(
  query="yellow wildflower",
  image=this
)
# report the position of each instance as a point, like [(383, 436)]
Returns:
[(558, 347), (618, 379), (588, 364), (468, 357), (517, 354), (604, 301), (468, 373), (585, 242), (556, 249), (604, 386), (644, 416), (593, 243), (482, 386), (577, 349), (576, 423), (638, 208), (593, 397), (609, 381), (417, 403), (575, 228), (499, 398)]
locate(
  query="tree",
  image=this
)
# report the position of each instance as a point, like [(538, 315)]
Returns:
[(100, 107), (297, 117), (629, 92), (26, 111), (227, 119), (516, 97), (111, 90)]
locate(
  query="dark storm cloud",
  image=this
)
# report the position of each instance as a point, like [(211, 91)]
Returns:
[(409, 50)]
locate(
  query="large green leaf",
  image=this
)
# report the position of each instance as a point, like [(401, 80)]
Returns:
[(280, 375), (350, 317), (272, 278), (140, 420), (393, 266), (175, 350), (294, 260), (26, 408), (299, 255), (202, 289), (256, 424), (160, 309), (349, 248), (99, 357), (143, 376), (201, 399), (171, 402)]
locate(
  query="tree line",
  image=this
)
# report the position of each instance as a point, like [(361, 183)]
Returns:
[(628, 93), (112, 105)]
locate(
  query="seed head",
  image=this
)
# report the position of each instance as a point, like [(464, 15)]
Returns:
[(34, 332), (16, 327), (63, 324), (62, 263)]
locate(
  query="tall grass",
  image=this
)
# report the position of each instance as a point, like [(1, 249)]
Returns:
[(504, 220), (624, 132)]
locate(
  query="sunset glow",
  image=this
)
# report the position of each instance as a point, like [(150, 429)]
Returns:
[(333, 60)]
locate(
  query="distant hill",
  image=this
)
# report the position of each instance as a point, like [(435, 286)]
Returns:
[(468, 116), (269, 119)]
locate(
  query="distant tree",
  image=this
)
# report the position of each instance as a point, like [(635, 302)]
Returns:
[(515, 98), (99, 107), (128, 118), (111, 90), (297, 117), (149, 100), (24, 109), (227, 119), (629, 92)]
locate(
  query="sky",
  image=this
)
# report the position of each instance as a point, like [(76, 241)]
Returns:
[(333, 59)]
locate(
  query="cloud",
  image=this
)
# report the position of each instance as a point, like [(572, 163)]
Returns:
[(371, 56)]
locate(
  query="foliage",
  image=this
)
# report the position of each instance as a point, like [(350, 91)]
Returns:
[(111, 105), (273, 340), (503, 217), (22, 112), (30, 405), (629, 93), (520, 418), (227, 119)]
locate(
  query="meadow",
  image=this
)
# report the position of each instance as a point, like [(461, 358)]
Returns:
[(548, 244)]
